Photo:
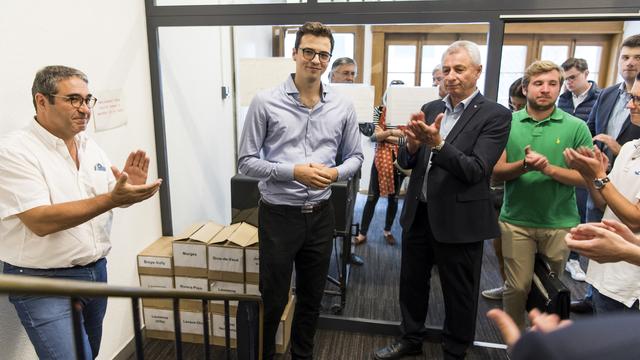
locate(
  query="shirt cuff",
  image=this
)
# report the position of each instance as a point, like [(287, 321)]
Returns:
[(284, 172)]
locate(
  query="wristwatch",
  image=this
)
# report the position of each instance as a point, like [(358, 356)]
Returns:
[(600, 183), (438, 147), (525, 166)]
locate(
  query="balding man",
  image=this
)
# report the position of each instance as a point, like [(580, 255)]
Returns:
[(343, 70)]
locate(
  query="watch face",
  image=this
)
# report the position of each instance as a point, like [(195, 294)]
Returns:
[(599, 183)]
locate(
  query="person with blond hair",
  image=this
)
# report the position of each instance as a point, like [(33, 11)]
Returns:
[(539, 204)]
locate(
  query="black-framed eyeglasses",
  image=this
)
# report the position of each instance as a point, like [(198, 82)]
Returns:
[(309, 54), (635, 99), (77, 101)]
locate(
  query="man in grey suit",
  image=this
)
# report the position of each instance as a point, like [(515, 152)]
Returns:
[(452, 146)]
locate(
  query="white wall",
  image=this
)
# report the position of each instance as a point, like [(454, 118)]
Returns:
[(631, 28), (195, 62), (107, 40)]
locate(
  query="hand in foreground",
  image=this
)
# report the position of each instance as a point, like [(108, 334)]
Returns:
[(611, 143), (126, 193), (610, 241), (317, 176), (418, 131), (534, 160), (541, 322), (136, 167)]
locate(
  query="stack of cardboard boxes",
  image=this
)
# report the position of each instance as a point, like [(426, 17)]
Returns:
[(207, 256)]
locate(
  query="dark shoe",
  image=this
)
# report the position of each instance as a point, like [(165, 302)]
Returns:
[(582, 307), (356, 260), (389, 238), (397, 350)]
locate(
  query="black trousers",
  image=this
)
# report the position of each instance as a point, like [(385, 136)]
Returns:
[(459, 268), (373, 196), (291, 238)]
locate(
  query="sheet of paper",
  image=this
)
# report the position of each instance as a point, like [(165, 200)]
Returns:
[(402, 101), (362, 97), (109, 112), (255, 75)]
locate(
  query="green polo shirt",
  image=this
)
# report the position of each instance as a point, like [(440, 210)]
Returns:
[(534, 199)]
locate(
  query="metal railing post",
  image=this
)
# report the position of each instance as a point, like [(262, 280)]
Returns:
[(177, 328), (205, 330), (76, 317), (135, 305), (227, 330)]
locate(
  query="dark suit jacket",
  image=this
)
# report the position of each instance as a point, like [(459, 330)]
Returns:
[(459, 206), (611, 337), (601, 112)]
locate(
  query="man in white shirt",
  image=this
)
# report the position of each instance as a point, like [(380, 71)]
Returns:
[(57, 192)]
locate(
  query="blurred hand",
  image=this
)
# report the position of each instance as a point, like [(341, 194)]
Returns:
[(534, 160), (541, 322), (610, 241)]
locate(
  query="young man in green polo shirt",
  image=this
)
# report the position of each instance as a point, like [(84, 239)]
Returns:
[(539, 197)]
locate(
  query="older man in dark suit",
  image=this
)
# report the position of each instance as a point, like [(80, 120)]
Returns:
[(452, 146)]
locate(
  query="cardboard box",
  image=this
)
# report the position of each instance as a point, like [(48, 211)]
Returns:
[(283, 334), (225, 287), (155, 269), (191, 284), (157, 282), (254, 289), (159, 325), (190, 249), (157, 258), (252, 262), (217, 320), (226, 252)]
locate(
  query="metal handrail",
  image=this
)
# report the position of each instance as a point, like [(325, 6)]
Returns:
[(33, 285)]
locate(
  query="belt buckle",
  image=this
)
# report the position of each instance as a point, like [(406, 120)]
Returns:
[(306, 209)]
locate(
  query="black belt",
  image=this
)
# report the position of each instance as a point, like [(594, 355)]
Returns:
[(304, 209)]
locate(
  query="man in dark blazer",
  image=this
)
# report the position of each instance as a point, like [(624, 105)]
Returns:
[(610, 124), (453, 144)]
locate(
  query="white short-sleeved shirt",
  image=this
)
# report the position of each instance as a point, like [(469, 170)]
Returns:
[(36, 169), (620, 281)]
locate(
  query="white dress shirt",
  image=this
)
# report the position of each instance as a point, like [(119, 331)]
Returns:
[(36, 169), (620, 281)]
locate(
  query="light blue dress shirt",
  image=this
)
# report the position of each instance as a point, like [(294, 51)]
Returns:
[(280, 132), (451, 117), (619, 113)]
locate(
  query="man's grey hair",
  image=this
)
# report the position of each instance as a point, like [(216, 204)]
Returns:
[(342, 61), (470, 47), (436, 69), (47, 79)]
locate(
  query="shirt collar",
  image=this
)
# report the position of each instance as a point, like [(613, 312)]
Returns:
[(464, 102), (291, 89), (523, 115), (584, 93), (622, 89), (52, 140)]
